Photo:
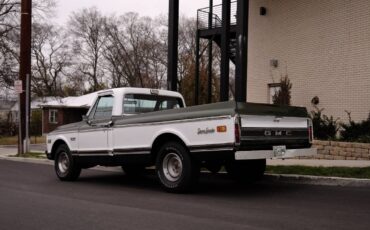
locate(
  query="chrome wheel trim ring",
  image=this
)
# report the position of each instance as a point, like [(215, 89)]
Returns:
[(63, 163), (172, 167)]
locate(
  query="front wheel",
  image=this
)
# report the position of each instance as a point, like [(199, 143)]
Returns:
[(65, 166), (175, 168)]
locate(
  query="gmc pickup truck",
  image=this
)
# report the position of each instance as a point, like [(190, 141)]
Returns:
[(137, 128)]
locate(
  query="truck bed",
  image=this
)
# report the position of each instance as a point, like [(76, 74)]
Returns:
[(229, 108)]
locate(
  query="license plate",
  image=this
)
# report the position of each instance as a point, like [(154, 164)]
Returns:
[(279, 151)]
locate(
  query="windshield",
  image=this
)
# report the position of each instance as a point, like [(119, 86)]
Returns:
[(142, 103)]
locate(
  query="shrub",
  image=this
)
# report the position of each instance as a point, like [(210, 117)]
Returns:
[(324, 127), (356, 131), (8, 128), (283, 96), (36, 123)]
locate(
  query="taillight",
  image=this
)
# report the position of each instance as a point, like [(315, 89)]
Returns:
[(237, 130), (310, 130)]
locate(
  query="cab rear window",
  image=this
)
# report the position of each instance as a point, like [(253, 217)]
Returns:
[(141, 103)]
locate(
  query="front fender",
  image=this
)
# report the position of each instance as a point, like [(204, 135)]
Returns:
[(53, 141)]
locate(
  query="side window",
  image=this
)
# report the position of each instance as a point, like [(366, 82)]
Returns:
[(103, 108)]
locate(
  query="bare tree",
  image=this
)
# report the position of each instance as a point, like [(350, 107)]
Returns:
[(135, 53), (87, 27), (10, 35), (187, 64), (8, 12), (9, 28), (51, 57)]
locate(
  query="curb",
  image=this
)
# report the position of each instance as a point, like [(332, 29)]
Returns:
[(317, 180), (27, 160), (281, 178)]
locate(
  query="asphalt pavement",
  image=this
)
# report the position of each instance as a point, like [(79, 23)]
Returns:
[(31, 197), (7, 152)]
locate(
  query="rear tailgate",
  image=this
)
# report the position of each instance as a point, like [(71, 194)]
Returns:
[(264, 132), (264, 126)]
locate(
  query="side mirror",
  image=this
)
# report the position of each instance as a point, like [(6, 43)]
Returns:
[(86, 119)]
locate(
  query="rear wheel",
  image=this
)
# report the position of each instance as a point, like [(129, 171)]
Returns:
[(246, 171), (65, 166), (175, 168)]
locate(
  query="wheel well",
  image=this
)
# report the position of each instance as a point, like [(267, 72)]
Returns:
[(55, 147), (163, 138)]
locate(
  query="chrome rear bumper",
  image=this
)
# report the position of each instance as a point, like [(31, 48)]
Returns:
[(269, 154)]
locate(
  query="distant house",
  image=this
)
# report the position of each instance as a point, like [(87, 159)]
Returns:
[(65, 111), (6, 125), (35, 106), (5, 109)]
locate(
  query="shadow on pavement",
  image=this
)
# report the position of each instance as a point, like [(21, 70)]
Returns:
[(209, 184)]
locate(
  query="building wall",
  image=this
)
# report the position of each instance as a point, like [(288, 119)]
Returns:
[(46, 125), (324, 48)]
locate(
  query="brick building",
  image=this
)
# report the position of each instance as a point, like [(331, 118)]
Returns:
[(324, 48), (65, 111)]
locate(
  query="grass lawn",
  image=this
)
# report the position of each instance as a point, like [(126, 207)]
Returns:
[(14, 140), (347, 172)]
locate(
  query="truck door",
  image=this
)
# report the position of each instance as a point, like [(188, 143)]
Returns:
[(93, 136)]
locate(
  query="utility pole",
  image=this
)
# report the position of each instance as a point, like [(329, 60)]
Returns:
[(241, 70), (25, 75), (210, 53), (173, 41), (225, 50)]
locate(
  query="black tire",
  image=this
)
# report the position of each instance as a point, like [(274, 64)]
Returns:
[(246, 171), (176, 170), (65, 166)]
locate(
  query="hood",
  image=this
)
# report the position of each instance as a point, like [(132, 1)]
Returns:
[(68, 127)]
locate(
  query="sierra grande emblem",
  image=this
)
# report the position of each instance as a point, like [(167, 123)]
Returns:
[(206, 131)]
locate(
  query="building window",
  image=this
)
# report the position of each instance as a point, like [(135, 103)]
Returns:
[(53, 116), (273, 89)]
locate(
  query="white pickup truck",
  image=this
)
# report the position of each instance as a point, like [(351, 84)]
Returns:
[(137, 128)]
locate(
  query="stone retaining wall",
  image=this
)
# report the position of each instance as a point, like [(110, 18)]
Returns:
[(333, 150)]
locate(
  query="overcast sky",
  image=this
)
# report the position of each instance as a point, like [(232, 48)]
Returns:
[(143, 7)]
